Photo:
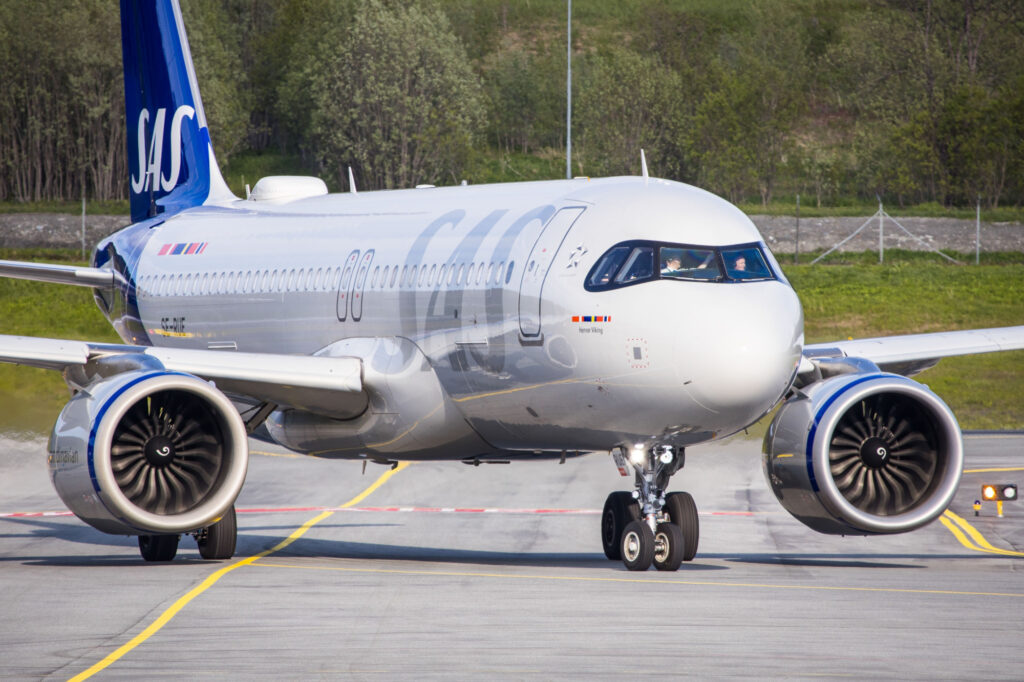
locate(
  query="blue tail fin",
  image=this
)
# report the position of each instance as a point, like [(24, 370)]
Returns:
[(170, 155)]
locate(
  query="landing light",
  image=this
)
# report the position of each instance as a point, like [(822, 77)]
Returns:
[(637, 454)]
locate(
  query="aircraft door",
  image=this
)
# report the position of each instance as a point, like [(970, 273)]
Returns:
[(359, 286), (343, 286), (537, 266)]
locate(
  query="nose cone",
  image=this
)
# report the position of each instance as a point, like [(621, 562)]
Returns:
[(740, 352)]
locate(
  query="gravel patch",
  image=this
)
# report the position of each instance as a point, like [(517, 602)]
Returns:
[(921, 234)]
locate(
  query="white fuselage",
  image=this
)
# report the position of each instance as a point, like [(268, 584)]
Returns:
[(488, 283)]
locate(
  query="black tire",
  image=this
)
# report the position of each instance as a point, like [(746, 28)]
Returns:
[(637, 546), (668, 547), (682, 510), (158, 547), (619, 509), (218, 541)]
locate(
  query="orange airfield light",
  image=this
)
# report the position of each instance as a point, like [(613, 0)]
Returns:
[(999, 491)]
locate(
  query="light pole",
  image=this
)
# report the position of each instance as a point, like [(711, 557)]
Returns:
[(568, 96)]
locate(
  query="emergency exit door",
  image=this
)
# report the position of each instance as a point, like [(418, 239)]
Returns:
[(542, 256)]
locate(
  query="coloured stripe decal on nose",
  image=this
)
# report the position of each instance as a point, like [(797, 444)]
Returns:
[(186, 249)]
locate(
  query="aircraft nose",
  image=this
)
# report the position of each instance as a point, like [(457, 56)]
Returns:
[(746, 351)]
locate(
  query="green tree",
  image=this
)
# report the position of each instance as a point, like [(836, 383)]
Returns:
[(395, 97), (61, 114), (627, 102), (215, 38), (526, 98)]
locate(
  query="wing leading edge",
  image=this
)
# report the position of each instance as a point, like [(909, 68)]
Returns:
[(60, 274), (913, 353), (331, 386)]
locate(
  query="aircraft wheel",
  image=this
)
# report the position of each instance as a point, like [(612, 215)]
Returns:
[(682, 510), (619, 509), (668, 547), (158, 547), (218, 541), (637, 546)]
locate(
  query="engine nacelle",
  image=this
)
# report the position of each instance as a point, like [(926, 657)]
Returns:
[(864, 454), (148, 452)]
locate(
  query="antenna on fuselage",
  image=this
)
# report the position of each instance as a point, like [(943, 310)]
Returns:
[(351, 182), (643, 166)]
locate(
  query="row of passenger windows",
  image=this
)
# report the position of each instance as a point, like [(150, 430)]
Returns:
[(324, 279)]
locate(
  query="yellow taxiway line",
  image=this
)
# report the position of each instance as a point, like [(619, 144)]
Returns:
[(969, 536), (991, 471), (177, 606)]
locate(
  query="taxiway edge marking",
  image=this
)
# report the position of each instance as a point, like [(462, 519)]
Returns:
[(211, 579)]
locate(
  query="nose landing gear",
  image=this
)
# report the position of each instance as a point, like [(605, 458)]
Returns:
[(650, 526)]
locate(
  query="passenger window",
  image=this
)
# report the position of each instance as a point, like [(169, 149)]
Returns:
[(746, 264), (394, 276), (639, 266), (508, 273)]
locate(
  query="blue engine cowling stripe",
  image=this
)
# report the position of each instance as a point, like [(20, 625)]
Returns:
[(99, 418), (809, 450)]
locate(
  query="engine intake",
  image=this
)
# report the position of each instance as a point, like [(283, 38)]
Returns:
[(149, 452), (864, 454)]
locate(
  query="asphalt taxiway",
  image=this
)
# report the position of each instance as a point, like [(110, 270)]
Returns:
[(444, 571)]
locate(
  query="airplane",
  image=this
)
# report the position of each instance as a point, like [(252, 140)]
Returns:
[(634, 316)]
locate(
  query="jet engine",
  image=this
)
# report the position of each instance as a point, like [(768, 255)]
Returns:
[(148, 452), (864, 454)]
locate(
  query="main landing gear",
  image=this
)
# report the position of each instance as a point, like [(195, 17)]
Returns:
[(649, 526), (215, 542)]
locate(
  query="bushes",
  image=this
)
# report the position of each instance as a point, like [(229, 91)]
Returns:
[(919, 102)]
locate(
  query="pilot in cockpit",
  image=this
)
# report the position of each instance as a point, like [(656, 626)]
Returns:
[(672, 265)]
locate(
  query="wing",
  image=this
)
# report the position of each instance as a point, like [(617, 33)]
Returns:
[(60, 274), (331, 386), (913, 353)]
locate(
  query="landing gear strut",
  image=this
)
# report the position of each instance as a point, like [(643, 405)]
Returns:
[(650, 526)]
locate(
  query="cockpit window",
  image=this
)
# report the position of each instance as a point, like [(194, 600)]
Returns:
[(746, 263), (639, 266), (607, 266), (685, 263), (634, 262)]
